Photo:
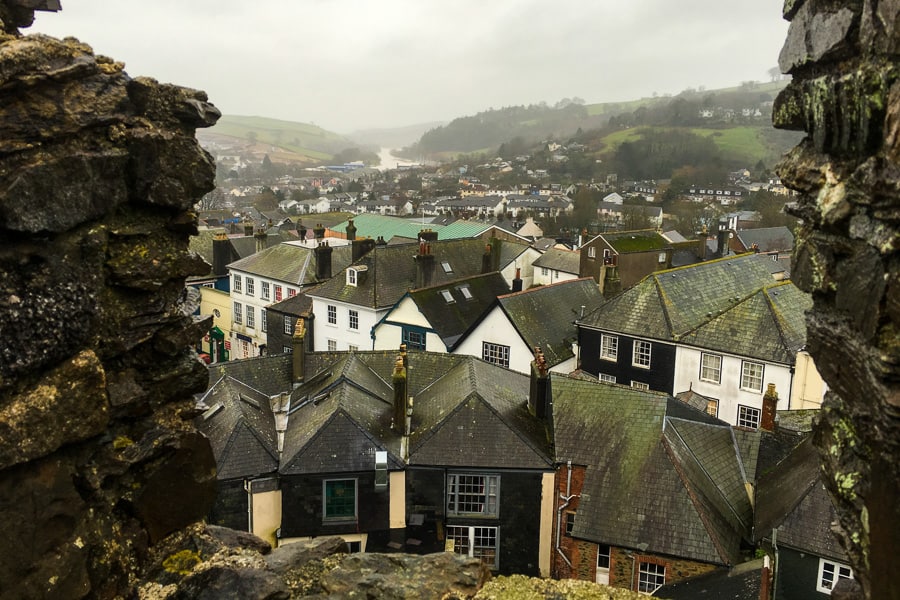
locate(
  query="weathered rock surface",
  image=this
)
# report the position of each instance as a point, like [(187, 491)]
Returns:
[(845, 58), (98, 176)]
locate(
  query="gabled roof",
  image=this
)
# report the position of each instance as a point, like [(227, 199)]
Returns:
[(269, 374), (452, 318), (659, 476), (391, 270), (742, 582), (297, 304), (567, 261), (240, 427), (731, 304), (292, 263), (476, 416), (792, 497), (239, 246), (545, 316)]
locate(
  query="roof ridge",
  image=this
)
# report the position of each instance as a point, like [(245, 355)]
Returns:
[(780, 323), (665, 303), (539, 288)]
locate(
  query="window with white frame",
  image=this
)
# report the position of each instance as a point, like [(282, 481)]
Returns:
[(609, 346), (446, 267), (263, 320), (830, 572), (332, 314), (603, 560), (332, 345), (748, 416), (251, 317), (288, 325), (651, 577), (251, 286), (545, 271), (607, 378), (339, 500), (476, 542), (470, 494), (640, 385), (447, 296), (466, 292), (751, 376), (237, 312), (266, 290), (287, 350), (592, 252), (495, 353), (351, 277), (354, 319), (236, 283), (710, 367), (641, 354)]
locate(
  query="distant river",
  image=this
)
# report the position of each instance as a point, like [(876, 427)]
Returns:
[(387, 161)]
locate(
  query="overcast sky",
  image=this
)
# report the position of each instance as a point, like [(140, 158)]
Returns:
[(350, 64)]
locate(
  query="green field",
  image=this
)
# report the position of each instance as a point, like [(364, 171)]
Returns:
[(744, 145), (300, 138)]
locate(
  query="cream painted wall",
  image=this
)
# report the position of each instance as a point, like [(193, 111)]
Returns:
[(496, 328), (548, 503), (397, 488), (809, 387), (266, 515)]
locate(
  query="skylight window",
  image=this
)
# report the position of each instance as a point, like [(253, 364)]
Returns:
[(465, 291), (446, 266), (448, 297)]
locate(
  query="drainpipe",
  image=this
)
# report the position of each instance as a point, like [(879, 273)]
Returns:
[(632, 586), (566, 499), (775, 567), (248, 487)]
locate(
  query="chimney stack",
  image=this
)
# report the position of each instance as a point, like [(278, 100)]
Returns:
[(517, 282), (298, 351), (262, 239), (428, 235), (701, 251), (360, 248), (722, 239), (319, 232), (248, 228), (301, 229), (538, 397), (380, 241), (351, 230), (486, 259), (221, 254), (398, 423), (770, 405), (424, 265), (323, 261)]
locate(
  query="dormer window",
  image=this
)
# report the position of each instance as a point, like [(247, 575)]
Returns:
[(351, 277), (356, 275)]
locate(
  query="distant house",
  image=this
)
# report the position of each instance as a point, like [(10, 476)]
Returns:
[(556, 265), (775, 242), (624, 258), (539, 317), (723, 328)]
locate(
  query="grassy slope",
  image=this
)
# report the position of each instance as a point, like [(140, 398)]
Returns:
[(301, 138)]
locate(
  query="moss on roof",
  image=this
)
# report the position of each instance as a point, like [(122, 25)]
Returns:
[(636, 241)]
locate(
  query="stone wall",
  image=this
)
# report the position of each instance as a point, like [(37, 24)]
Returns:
[(98, 176), (845, 94)]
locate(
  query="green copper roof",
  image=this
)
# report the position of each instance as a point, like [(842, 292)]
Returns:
[(375, 226)]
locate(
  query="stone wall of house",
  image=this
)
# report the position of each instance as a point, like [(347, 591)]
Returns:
[(98, 176), (844, 58), (624, 566)]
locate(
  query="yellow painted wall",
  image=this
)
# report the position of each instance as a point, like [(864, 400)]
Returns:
[(548, 502), (808, 386), (397, 487), (267, 515)]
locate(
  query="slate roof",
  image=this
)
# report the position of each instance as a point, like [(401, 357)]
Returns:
[(240, 427), (297, 304), (476, 416), (292, 263), (731, 305), (467, 413), (451, 320), (741, 582), (240, 246), (391, 270), (768, 239), (545, 315), (567, 261), (659, 475), (792, 497)]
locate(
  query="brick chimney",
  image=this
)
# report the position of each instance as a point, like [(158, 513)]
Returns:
[(351, 230), (539, 393), (398, 422), (770, 405), (517, 281), (298, 352), (221, 254), (424, 265), (323, 261), (428, 235), (701, 250), (319, 232)]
